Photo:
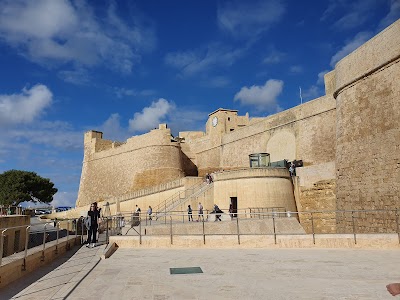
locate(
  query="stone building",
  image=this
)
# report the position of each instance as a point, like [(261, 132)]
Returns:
[(348, 140)]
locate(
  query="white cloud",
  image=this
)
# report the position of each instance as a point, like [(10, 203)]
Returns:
[(64, 199), (350, 46), (201, 60), (321, 76), (66, 31), (351, 14), (311, 93), (124, 92), (218, 81), (77, 76), (274, 57), (296, 69), (113, 130), (49, 134), (263, 97), (249, 19), (151, 116), (392, 16), (315, 90), (188, 119), (26, 106)]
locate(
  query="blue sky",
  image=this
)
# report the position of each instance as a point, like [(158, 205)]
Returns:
[(123, 67)]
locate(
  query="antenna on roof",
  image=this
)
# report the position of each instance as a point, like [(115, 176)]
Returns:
[(301, 98)]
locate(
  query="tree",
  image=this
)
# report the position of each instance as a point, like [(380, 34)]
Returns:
[(19, 186)]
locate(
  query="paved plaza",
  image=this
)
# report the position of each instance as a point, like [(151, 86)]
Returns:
[(227, 274)]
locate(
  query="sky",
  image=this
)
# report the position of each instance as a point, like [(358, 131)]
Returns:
[(123, 67)]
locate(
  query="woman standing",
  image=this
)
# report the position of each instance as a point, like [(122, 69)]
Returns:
[(94, 216)]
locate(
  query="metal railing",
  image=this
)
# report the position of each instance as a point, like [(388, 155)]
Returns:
[(166, 206), (20, 241), (351, 223)]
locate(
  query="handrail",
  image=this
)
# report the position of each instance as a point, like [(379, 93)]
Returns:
[(391, 226), (41, 234), (170, 199), (198, 189), (146, 191)]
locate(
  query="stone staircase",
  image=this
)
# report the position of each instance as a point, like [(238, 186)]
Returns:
[(180, 198)]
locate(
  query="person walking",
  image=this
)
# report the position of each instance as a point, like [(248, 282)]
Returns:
[(217, 212), (190, 215), (137, 210), (201, 214), (150, 212), (231, 211)]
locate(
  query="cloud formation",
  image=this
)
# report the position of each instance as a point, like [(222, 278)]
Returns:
[(311, 93), (321, 79), (151, 116), (113, 130), (392, 16), (350, 46), (26, 106), (249, 19), (262, 97), (355, 13), (122, 92), (201, 60), (296, 69), (72, 34), (274, 57)]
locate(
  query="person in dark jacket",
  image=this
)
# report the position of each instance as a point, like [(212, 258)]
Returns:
[(217, 211), (94, 216), (190, 215)]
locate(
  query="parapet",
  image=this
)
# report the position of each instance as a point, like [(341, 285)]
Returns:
[(379, 51), (92, 134), (330, 80)]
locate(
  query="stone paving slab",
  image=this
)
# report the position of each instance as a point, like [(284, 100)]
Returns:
[(228, 274), (60, 282)]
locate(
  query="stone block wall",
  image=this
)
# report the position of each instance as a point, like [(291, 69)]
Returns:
[(368, 130), (320, 197), (266, 187), (141, 162)]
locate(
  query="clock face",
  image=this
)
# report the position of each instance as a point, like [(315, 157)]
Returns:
[(214, 121)]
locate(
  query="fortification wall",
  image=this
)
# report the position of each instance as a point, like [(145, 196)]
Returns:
[(368, 127), (266, 187), (141, 162), (304, 132)]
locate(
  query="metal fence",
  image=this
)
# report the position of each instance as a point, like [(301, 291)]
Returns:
[(20, 241), (276, 223)]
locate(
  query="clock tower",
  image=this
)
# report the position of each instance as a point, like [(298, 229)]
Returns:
[(223, 121)]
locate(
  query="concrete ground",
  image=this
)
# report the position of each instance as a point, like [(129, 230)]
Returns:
[(227, 274)]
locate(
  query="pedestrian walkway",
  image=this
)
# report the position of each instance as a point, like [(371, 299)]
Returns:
[(227, 274), (60, 282)]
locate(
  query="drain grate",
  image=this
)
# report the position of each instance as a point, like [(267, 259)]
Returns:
[(190, 270)]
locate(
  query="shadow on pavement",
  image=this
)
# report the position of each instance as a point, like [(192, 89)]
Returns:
[(18, 285)]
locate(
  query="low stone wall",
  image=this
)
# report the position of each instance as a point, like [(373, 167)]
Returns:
[(363, 241), (14, 270)]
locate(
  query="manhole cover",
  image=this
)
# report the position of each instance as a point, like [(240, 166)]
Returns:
[(190, 270)]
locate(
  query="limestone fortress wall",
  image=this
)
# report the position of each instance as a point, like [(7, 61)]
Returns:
[(349, 141), (111, 169), (367, 92)]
